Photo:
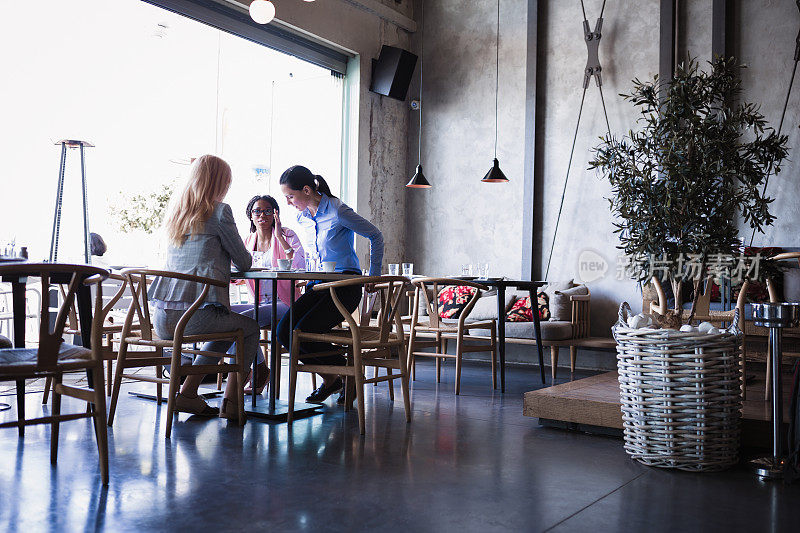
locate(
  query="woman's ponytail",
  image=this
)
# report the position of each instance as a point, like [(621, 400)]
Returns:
[(298, 176), (322, 186)]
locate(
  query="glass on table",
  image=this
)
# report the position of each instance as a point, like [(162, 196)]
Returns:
[(483, 271), (408, 269), (394, 269), (466, 270)]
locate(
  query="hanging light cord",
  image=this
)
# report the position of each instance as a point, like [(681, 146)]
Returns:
[(780, 127), (496, 76), (572, 150), (421, 62)]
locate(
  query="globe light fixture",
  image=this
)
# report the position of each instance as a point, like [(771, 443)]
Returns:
[(262, 11)]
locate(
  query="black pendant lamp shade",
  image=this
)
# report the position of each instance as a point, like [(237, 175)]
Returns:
[(419, 181), (495, 175)]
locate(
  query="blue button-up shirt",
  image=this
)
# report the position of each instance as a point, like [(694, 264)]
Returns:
[(330, 233)]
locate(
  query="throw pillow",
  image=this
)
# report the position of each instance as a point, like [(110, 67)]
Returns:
[(521, 310), (559, 306), (564, 303), (453, 300)]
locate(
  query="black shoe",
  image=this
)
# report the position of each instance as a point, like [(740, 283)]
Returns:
[(352, 387), (323, 391)]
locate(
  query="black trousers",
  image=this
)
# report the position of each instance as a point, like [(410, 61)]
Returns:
[(315, 312)]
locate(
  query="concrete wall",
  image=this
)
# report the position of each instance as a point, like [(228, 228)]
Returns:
[(462, 220)]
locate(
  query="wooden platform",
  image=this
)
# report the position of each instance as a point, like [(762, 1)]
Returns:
[(593, 402)]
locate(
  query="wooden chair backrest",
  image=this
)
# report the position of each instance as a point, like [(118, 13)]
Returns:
[(73, 276), (114, 286), (432, 302), (138, 281), (388, 291)]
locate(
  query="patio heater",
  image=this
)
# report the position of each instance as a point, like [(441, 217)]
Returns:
[(69, 143), (775, 316)]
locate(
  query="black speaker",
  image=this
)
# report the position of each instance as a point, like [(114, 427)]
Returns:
[(392, 71)]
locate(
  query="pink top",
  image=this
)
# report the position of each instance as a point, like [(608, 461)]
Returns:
[(298, 262)]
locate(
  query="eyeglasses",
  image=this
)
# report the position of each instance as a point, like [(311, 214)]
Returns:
[(258, 212)]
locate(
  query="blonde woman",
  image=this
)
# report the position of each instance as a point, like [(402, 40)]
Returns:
[(203, 240)]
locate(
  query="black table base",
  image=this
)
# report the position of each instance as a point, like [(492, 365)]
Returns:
[(278, 412), (148, 396)]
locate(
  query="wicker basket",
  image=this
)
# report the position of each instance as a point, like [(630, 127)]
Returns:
[(680, 395)]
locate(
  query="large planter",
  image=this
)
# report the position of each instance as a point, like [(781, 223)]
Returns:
[(680, 394)]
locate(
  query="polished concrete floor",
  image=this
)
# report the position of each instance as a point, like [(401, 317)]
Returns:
[(466, 463)]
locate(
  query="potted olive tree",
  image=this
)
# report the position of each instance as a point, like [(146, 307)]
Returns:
[(696, 164), (681, 182)]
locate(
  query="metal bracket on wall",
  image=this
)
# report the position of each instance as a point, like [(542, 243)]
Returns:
[(593, 69)]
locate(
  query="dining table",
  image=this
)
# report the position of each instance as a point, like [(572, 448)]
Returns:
[(272, 408), (501, 284)]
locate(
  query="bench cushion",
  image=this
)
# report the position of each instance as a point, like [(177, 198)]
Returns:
[(486, 306), (554, 330)]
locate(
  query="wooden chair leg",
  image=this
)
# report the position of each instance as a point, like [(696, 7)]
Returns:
[(119, 368), (109, 376), (359, 389), (573, 353), (404, 383), (54, 425), (459, 348), (174, 387), (48, 383), (21, 405), (101, 432), (159, 375), (294, 353), (553, 362), (314, 381), (239, 376)]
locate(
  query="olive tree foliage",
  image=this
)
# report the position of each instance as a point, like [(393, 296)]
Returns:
[(696, 162)]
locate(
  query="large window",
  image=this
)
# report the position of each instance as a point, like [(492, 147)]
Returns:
[(151, 90)]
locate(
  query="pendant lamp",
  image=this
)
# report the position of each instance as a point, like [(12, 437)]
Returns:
[(418, 181), (262, 11), (495, 175)]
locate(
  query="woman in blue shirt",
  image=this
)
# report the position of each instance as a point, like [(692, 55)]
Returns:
[(328, 231)]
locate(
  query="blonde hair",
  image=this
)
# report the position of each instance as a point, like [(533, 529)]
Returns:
[(209, 180)]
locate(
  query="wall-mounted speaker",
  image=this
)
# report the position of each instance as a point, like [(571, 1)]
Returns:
[(392, 71)]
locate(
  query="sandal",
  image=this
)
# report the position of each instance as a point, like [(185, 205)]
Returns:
[(195, 406), (230, 410), (262, 379)]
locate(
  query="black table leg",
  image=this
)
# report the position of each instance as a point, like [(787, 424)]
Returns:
[(274, 359), (501, 333), (538, 330), (254, 373)]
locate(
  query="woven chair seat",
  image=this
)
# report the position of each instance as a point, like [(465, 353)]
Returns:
[(344, 336), (452, 325), (23, 360)]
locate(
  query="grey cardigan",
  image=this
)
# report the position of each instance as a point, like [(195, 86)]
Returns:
[(206, 253)]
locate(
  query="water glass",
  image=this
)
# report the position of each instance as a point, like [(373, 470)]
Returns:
[(466, 270), (394, 269), (311, 262), (483, 271), (258, 259), (408, 269)]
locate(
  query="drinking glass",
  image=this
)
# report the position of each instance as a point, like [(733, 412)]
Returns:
[(483, 270), (258, 259), (311, 262), (394, 269), (466, 270), (408, 269)]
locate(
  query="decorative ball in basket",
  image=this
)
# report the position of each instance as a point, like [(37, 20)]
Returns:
[(680, 394)]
